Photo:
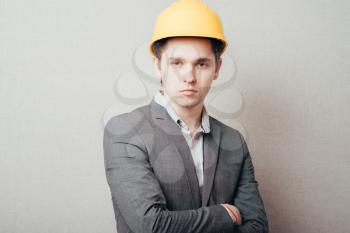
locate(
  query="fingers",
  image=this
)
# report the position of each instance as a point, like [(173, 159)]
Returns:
[(234, 213), (238, 214)]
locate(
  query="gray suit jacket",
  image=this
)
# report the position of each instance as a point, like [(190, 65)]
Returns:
[(153, 182)]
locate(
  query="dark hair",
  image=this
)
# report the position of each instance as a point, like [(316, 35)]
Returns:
[(216, 45)]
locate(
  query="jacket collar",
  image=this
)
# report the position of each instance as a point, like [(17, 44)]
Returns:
[(162, 100)]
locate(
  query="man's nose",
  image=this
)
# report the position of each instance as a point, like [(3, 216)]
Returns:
[(189, 74)]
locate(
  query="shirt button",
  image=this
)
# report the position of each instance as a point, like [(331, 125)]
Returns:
[(178, 122)]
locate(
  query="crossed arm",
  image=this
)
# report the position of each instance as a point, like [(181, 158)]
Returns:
[(139, 197), (248, 199)]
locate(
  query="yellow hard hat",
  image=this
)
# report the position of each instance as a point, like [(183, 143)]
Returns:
[(188, 18)]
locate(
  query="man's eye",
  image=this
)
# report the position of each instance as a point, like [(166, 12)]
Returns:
[(176, 63), (203, 65)]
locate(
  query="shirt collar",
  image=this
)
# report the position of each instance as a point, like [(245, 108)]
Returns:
[(161, 100)]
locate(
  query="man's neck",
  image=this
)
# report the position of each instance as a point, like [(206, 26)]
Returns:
[(190, 115)]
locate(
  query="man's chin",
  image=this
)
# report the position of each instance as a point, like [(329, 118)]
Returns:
[(188, 103)]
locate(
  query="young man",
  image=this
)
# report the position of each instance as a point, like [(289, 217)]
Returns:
[(170, 166)]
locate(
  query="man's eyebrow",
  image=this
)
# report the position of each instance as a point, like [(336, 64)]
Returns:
[(201, 59), (204, 59), (175, 58)]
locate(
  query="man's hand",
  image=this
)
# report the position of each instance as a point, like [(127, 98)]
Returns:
[(234, 213)]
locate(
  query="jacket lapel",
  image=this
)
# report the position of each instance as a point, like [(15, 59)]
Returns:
[(211, 142), (175, 137)]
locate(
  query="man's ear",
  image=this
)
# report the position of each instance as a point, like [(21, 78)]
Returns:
[(217, 68), (156, 63)]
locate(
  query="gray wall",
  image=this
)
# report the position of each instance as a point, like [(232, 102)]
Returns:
[(59, 63)]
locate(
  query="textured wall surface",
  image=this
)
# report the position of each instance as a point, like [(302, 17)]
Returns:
[(59, 62)]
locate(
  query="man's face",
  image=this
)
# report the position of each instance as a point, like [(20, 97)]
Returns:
[(187, 69)]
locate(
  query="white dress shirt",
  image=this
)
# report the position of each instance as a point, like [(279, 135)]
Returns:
[(195, 142)]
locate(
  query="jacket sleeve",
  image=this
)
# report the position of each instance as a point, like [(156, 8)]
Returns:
[(248, 199), (137, 193)]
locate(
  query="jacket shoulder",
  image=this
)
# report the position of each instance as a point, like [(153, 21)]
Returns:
[(225, 128), (126, 124), (132, 117)]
